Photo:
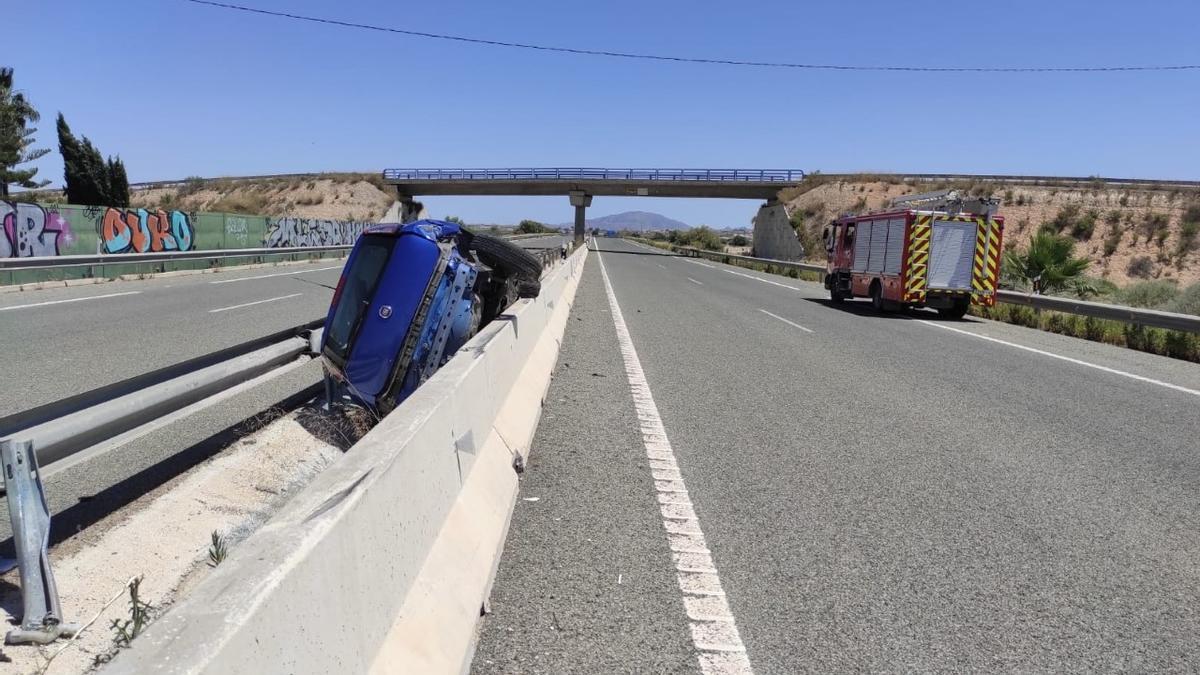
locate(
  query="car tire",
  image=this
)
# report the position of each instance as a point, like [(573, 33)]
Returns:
[(505, 257), (528, 289)]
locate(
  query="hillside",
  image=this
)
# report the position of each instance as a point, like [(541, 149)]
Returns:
[(355, 197), (1128, 233), (637, 221)]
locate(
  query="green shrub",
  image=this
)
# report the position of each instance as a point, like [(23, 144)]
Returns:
[(1187, 236), (1141, 266), (1065, 218), (1148, 294), (739, 240), (1187, 302), (1083, 227), (1112, 241)]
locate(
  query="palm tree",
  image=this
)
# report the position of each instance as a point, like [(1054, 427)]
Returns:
[(1046, 264), (16, 113)]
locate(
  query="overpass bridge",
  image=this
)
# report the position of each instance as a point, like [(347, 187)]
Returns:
[(580, 184)]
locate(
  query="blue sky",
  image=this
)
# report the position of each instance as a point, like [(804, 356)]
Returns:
[(179, 89)]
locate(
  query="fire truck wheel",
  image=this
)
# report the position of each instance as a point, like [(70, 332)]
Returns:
[(957, 311), (835, 295), (877, 296)]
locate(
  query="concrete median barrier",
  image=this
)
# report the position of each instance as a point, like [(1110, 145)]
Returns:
[(382, 563)]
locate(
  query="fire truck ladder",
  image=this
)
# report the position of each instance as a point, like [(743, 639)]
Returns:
[(948, 201)]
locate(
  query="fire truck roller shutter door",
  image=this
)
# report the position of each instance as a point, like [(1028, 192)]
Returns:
[(878, 246), (951, 253), (895, 246), (862, 247)]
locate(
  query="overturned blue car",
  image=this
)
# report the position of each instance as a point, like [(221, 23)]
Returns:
[(409, 297)]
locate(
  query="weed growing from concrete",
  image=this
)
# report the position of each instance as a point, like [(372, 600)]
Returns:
[(124, 631), (218, 550)]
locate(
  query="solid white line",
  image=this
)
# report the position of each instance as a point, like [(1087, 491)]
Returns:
[(694, 281), (1068, 359), (256, 302), (59, 302), (280, 274), (728, 657), (790, 323)]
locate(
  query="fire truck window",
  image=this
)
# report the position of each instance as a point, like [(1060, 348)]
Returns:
[(828, 239), (849, 235)]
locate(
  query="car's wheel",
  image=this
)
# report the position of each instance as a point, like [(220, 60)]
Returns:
[(505, 257), (528, 289)]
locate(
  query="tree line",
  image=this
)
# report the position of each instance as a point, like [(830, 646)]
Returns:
[(88, 177)]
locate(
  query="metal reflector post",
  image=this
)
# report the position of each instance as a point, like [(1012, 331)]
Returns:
[(42, 620)]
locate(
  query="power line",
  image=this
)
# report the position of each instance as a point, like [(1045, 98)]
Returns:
[(686, 59)]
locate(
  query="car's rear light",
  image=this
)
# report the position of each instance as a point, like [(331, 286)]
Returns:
[(337, 292)]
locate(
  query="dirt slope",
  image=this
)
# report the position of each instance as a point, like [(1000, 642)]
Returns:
[(1128, 234), (331, 196)]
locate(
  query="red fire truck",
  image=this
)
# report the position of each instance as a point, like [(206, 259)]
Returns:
[(938, 250)]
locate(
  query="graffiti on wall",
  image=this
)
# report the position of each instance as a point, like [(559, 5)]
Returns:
[(236, 229), (30, 230), (142, 231), (287, 232)]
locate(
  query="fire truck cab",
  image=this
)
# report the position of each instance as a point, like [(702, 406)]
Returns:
[(939, 250)]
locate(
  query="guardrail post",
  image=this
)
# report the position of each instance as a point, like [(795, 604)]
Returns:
[(42, 619)]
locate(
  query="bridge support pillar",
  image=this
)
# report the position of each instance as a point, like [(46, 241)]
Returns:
[(580, 200)]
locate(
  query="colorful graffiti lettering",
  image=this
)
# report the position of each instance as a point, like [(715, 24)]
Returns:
[(287, 232), (30, 231), (142, 231)]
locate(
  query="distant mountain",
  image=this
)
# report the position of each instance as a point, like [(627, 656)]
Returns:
[(638, 221)]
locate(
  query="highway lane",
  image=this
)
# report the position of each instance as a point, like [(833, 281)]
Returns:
[(64, 340), (61, 341), (887, 492)]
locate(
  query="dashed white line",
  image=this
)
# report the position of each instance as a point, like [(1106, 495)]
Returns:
[(661, 265), (697, 262), (1068, 359), (793, 324), (59, 302), (280, 274), (714, 632), (698, 283), (256, 302)]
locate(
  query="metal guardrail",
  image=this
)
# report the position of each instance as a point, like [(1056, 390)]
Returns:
[(49, 262), (585, 173), (35, 439), (1187, 323)]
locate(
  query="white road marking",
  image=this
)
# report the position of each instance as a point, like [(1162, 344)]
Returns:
[(715, 636), (661, 265), (697, 262), (765, 281), (280, 274), (790, 323), (695, 282), (256, 302), (59, 302), (1068, 359)]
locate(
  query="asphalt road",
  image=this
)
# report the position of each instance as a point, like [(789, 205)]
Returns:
[(878, 492), (62, 341), (65, 340)]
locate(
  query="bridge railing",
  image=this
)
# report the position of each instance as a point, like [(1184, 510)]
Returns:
[(592, 173)]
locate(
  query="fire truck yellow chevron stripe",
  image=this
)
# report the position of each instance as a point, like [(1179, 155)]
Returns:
[(981, 245), (918, 259)]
